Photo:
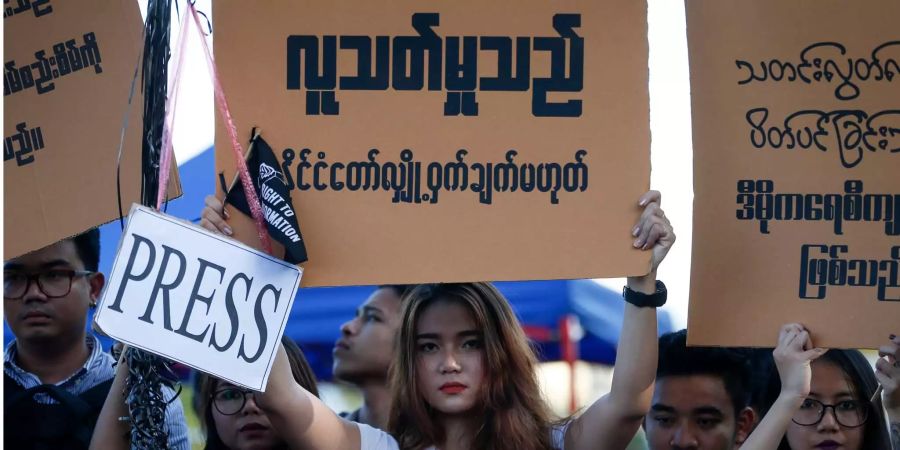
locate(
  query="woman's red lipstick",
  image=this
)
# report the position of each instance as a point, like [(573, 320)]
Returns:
[(453, 388)]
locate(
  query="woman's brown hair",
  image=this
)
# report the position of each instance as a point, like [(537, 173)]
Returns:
[(514, 416), (300, 368)]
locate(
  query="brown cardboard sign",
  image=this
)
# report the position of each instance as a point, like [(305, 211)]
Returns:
[(796, 129), (67, 73), (447, 141)]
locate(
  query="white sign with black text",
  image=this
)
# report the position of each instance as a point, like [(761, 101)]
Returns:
[(198, 298)]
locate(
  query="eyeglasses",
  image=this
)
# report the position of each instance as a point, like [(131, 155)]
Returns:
[(230, 400), (848, 413), (53, 283)]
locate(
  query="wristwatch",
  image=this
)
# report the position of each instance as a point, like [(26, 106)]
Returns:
[(642, 300)]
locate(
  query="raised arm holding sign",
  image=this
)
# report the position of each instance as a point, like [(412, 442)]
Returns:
[(477, 344), (228, 413), (826, 399)]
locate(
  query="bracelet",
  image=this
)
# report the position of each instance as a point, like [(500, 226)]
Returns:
[(642, 300)]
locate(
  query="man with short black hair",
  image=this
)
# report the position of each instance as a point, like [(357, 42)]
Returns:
[(56, 375), (701, 400), (365, 350)]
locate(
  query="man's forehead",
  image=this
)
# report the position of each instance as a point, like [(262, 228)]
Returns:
[(687, 393), (384, 299), (62, 253)]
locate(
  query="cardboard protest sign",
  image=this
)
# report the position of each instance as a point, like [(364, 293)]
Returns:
[(67, 73), (796, 120), (199, 298), (520, 154)]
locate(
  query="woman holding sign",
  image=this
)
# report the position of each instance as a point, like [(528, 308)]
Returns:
[(825, 400), (464, 377), (229, 414)]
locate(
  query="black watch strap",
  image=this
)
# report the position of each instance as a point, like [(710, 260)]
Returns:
[(641, 300)]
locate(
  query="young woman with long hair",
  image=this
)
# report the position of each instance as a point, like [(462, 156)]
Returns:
[(824, 400), (455, 338), (464, 376)]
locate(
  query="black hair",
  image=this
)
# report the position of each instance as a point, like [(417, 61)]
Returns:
[(761, 365), (862, 377), (87, 245), (677, 359), (399, 289)]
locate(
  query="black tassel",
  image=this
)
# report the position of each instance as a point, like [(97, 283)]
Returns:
[(146, 375), (154, 85)]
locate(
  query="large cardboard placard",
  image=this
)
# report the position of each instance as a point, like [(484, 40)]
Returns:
[(199, 298), (67, 73), (796, 118), (447, 141)]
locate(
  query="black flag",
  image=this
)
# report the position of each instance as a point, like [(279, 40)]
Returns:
[(275, 198)]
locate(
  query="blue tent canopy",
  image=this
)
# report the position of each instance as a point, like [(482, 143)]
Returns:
[(317, 313)]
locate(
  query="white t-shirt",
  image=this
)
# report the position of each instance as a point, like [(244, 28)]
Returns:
[(375, 439)]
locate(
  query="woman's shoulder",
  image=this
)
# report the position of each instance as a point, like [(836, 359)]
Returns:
[(374, 439)]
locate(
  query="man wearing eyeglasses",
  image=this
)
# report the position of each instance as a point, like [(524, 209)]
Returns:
[(56, 375)]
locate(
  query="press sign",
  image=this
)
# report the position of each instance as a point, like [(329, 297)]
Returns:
[(198, 298)]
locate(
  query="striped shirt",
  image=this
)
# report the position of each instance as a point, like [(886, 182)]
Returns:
[(98, 368)]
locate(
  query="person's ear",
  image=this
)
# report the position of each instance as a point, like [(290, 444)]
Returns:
[(745, 422), (97, 280)]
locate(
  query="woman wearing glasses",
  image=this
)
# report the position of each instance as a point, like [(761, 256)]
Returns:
[(825, 400), (230, 415)]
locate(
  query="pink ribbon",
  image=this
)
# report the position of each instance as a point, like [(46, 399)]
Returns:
[(222, 103)]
